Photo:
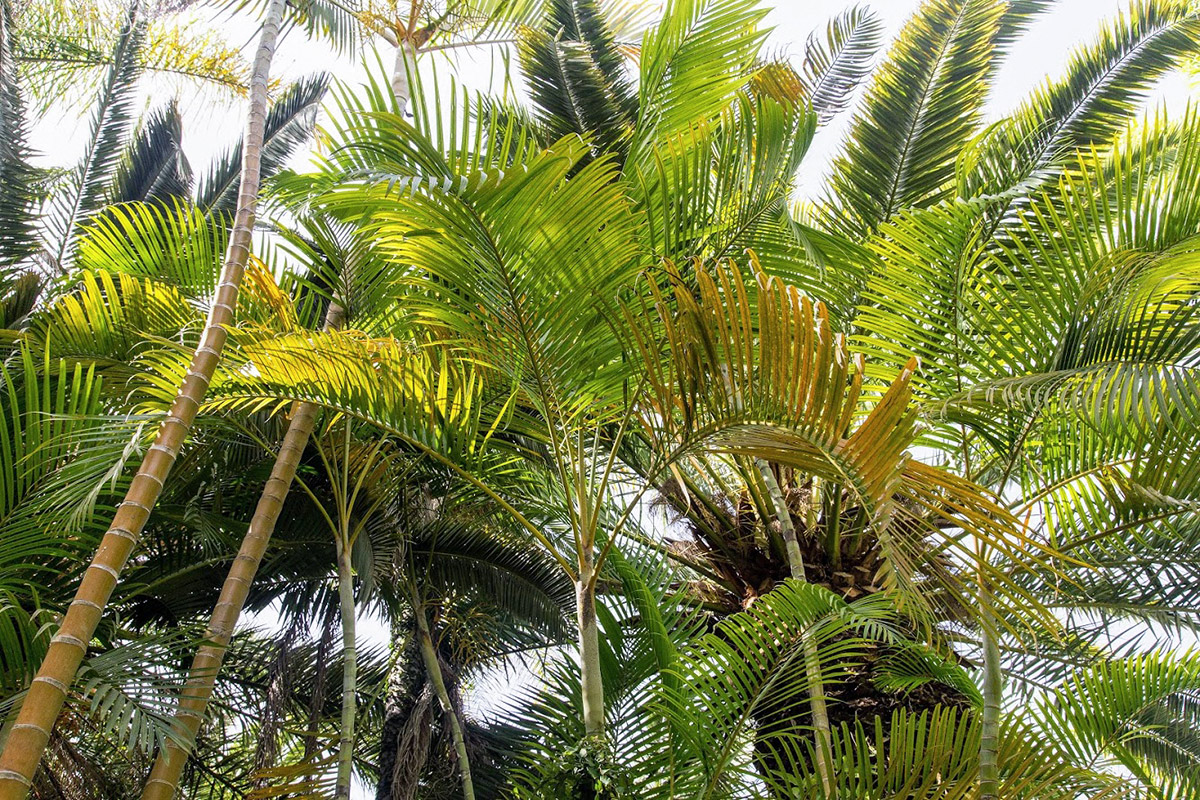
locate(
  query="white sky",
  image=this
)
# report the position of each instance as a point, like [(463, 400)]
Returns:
[(212, 122)]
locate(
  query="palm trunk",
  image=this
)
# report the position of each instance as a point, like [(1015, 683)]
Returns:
[(163, 782), (993, 686), (591, 681), (812, 659), (345, 760), (429, 655), (406, 59), (48, 691)]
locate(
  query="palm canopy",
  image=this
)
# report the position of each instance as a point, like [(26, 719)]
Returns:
[(554, 315)]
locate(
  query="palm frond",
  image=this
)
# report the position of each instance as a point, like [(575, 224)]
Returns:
[(44, 402), (934, 754), (833, 68), (17, 232), (111, 120), (154, 166), (171, 243), (752, 666), (1139, 714), (1102, 88), (577, 78), (922, 107), (290, 123), (692, 65)]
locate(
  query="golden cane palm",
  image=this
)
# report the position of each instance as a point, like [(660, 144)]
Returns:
[(30, 734)]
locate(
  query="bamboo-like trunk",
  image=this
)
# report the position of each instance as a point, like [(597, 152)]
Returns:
[(345, 761), (812, 659), (993, 686), (29, 736), (164, 778), (592, 683), (198, 689), (434, 669), (406, 59)]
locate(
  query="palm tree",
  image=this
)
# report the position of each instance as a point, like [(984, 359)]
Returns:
[(1033, 267), (935, 103), (116, 169), (29, 736), (169, 767), (558, 405)]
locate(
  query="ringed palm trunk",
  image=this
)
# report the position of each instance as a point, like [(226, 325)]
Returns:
[(164, 778), (591, 680), (434, 669), (993, 686), (345, 761), (812, 660), (48, 692)]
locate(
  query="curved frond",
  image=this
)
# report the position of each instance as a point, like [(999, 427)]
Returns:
[(290, 123), (922, 107), (833, 68), (154, 166)]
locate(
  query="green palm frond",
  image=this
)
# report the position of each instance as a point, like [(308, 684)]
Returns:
[(17, 235), (154, 166), (111, 120), (691, 66), (833, 68), (339, 263), (106, 318), (176, 243), (377, 147), (725, 187), (1138, 714), (541, 257), (1134, 528), (420, 397), (935, 753), (479, 564), (752, 666), (576, 76), (1103, 86), (24, 637), (336, 21), (45, 402), (1079, 306), (922, 107), (127, 694), (21, 294), (290, 123)]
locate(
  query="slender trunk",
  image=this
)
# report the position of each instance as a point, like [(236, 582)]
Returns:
[(993, 686), (48, 691), (164, 778), (349, 673), (429, 655), (198, 689), (589, 653), (812, 659), (406, 59)]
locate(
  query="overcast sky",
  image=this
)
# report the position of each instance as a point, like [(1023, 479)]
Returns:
[(211, 122)]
